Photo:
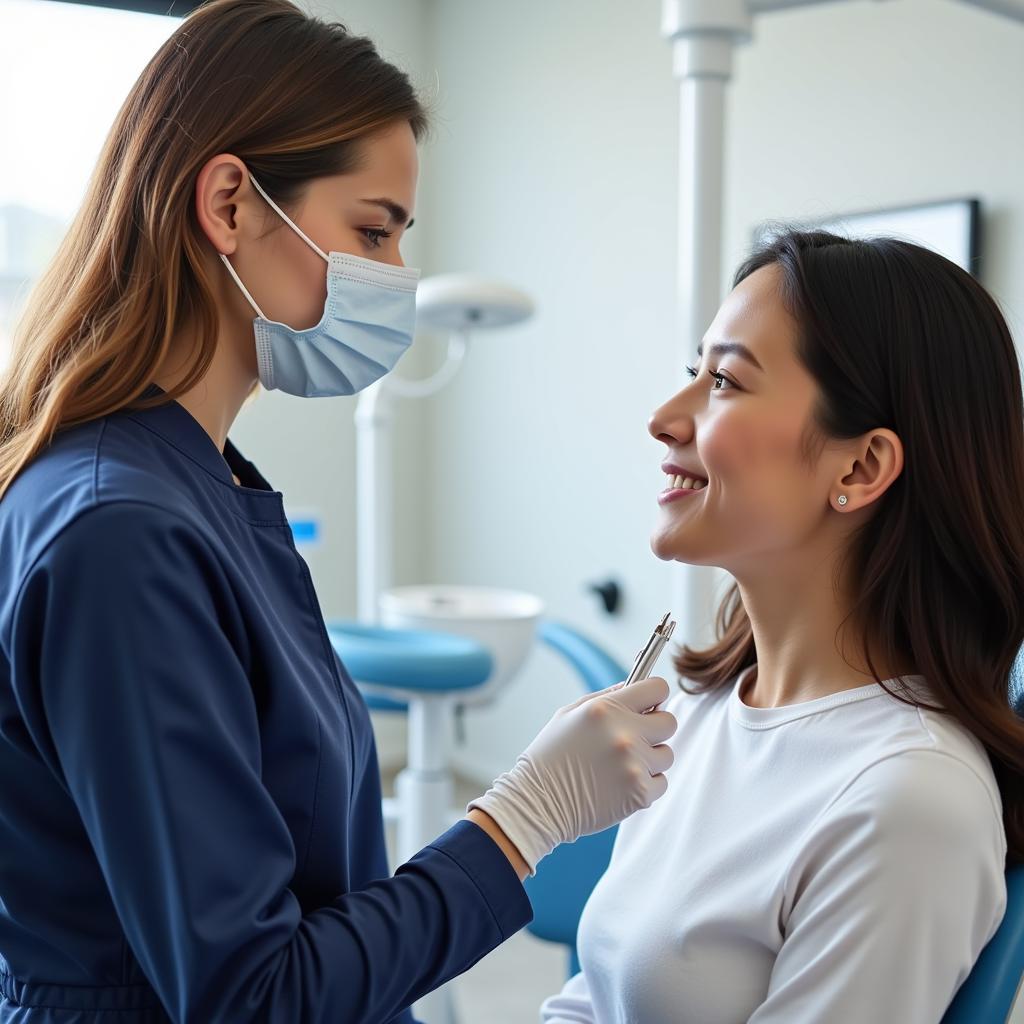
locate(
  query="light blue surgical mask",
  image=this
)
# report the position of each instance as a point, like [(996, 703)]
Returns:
[(368, 323)]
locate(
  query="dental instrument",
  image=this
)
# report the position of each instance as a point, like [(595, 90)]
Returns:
[(647, 656)]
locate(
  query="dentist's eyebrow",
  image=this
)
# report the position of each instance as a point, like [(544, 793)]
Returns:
[(398, 213), (724, 348)]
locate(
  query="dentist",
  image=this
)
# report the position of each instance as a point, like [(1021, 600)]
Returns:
[(190, 801)]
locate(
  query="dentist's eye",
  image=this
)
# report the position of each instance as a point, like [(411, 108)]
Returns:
[(374, 235)]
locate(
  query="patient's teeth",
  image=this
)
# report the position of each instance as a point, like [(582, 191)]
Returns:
[(686, 483)]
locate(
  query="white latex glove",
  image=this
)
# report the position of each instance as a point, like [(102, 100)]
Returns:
[(596, 762)]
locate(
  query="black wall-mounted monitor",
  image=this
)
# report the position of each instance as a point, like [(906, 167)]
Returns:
[(172, 8), (952, 227)]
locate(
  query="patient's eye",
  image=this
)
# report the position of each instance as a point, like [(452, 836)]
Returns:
[(720, 379)]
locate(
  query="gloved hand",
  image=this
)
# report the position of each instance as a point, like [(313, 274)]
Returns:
[(595, 763)]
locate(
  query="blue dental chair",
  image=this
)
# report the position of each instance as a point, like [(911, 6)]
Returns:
[(988, 994), (565, 878)]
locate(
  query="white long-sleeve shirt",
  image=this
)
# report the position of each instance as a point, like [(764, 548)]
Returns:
[(836, 861)]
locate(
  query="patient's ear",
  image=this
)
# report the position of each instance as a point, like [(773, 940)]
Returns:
[(868, 468)]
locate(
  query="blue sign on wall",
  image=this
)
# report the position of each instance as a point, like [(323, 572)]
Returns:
[(305, 528)]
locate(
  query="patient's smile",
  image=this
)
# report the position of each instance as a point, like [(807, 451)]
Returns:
[(680, 487)]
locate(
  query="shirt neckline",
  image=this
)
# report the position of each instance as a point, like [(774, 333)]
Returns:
[(769, 718)]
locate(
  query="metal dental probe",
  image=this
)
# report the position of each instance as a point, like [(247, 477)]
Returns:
[(647, 656)]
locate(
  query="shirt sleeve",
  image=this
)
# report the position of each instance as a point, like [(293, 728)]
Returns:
[(893, 899), (127, 636), (572, 1005)]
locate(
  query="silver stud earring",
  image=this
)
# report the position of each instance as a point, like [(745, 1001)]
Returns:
[(841, 499)]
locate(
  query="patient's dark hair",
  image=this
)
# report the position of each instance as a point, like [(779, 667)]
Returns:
[(897, 336)]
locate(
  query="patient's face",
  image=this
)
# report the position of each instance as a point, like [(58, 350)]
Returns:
[(743, 435)]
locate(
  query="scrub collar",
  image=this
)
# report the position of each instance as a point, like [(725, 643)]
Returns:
[(180, 429)]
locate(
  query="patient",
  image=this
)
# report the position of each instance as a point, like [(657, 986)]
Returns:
[(847, 782)]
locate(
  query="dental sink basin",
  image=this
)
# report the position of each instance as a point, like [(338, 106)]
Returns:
[(502, 621)]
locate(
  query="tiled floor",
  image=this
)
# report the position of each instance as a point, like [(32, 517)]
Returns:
[(508, 985)]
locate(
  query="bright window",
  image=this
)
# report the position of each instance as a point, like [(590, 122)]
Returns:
[(65, 70)]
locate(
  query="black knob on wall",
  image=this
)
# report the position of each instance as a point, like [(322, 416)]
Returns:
[(610, 593)]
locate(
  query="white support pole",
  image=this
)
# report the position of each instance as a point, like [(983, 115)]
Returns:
[(703, 34), (375, 510), (425, 795), (374, 507)]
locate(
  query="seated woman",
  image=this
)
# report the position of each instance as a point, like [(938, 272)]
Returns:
[(847, 782)]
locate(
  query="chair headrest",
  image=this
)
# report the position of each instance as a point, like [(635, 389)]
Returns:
[(1017, 684)]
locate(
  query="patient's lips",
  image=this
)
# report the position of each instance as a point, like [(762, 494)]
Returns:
[(684, 470), (683, 482)]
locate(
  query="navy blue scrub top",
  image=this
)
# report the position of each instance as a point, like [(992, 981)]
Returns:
[(190, 818)]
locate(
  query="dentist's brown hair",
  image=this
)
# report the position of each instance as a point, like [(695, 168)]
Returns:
[(897, 336), (290, 95)]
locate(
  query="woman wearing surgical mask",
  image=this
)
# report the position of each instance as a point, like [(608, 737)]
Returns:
[(848, 777), (190, 809)]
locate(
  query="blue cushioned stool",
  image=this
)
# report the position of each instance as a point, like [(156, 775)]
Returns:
[(421, 672)]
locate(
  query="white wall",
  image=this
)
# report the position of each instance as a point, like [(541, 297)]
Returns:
[(557, 171)]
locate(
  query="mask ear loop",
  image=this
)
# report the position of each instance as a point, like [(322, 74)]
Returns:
[(284, 216), (238, 281), (295, 227)]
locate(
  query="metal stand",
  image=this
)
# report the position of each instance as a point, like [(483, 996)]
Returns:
[(424, 795), (423, 788), (374, 485)]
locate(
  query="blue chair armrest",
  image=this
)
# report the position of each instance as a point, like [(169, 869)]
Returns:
[(596, 667)]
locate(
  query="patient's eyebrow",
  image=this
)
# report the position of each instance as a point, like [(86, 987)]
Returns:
[(724, 348), (398, 213)]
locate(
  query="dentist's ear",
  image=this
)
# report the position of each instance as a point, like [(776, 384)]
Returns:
[(225, 201)]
